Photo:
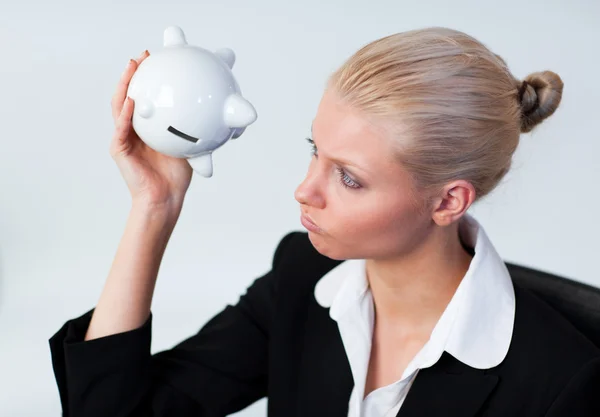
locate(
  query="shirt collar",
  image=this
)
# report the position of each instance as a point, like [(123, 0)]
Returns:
[(477, 325)]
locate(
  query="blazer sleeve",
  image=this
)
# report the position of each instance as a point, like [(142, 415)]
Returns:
[(581, 396), (216, 372)]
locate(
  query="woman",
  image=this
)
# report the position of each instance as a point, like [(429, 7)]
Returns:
[(394, 303)]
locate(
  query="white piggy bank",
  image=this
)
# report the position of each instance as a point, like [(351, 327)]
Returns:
[(187, 102)]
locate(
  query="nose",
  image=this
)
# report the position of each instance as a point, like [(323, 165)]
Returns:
[(309, 192)]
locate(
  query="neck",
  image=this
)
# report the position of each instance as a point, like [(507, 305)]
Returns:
[(411, 292)]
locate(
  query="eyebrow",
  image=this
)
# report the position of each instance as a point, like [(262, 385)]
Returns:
[(339, 161)]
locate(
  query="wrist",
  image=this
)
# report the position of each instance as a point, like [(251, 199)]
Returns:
[(167, 210)]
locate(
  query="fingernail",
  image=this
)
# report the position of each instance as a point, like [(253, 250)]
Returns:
[(145, 52)]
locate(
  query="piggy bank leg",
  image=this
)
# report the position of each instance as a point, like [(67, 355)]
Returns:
[(202, 165)]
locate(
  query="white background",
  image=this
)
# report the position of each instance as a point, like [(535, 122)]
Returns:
[(63, 204)]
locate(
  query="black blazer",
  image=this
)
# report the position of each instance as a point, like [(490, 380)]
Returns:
[(277, 341)]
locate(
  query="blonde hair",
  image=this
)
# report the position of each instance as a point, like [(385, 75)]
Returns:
[(453, 105)]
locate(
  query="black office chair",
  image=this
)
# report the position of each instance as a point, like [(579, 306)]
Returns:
[(578, 302)]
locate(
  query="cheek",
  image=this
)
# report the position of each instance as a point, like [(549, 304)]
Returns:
[(376, 223), (380, 228)]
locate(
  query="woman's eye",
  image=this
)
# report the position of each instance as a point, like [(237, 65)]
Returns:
[(345, 180), (313, 150)]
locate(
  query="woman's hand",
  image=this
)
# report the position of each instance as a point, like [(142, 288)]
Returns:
[(153, 178)]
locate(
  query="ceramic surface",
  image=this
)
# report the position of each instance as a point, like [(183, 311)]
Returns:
[(187, 101)]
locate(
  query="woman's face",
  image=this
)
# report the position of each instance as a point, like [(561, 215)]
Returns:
[(355, 192)]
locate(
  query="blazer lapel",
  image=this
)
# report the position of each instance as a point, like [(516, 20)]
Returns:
[(449, 388), (325, 377)]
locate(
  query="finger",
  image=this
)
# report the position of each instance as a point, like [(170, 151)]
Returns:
[(123, 125), (143, 56), (117, 101), (122, 86)]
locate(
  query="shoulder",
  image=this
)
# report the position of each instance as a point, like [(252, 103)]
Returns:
[(295, 250), (550, 364), (297, 263), (552, 331), (545, 345)]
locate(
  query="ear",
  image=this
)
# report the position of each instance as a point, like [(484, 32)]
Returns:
[(226, 55), (174, 36), (454, 202)]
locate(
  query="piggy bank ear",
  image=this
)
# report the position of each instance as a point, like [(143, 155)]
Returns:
[(238, 112), (226, 55), (174, 36), (145, 108)]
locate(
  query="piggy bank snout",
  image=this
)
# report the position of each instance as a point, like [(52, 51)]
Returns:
[(239, 112)]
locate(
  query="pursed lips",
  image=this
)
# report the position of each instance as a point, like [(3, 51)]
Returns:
[(309, 219)]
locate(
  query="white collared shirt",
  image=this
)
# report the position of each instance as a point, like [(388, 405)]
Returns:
[(476, 326)]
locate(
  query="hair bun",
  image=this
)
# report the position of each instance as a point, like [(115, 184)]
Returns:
[(539, 95)]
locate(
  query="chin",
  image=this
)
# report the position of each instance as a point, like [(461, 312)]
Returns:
[(322, 246)]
